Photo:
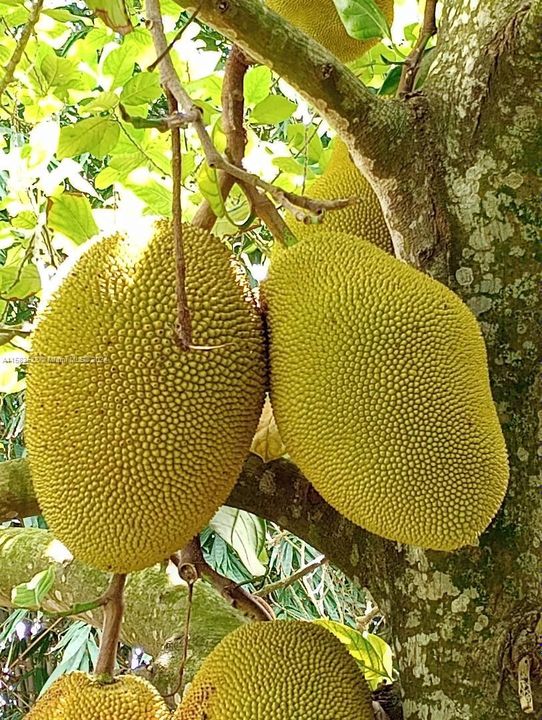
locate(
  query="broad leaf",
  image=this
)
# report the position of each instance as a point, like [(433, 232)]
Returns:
[(142, 88), (372, 653), (71, 215), (272, 110), (30, 594), (96, 135), (113, 13), (245, 533), (363, 19)]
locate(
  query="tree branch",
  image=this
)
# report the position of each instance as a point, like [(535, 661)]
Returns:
[(277, 491), (338, 95), (233, 113), (413, 61), (170, 80), (113, 599), (21, 45)]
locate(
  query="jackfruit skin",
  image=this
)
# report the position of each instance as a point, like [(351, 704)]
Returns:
[(320, 20), (380, 388), (342, 179), (78, 696), (278, 670), (133, 451)]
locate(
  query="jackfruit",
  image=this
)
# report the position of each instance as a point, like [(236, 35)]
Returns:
[(78, 696), (380, 388), (342, 179), (134, 442), (278, 670), (320, 20)]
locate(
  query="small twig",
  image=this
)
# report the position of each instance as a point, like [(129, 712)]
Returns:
[(176, 39), (412, 63), (189, 573), (21, 45), (254, 607), (293, 578), (113, 601), (170, 80)]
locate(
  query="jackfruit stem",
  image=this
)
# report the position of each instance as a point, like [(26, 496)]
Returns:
[(113, 599), (183, 324)]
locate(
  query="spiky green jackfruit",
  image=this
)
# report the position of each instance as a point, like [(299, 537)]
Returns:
[(380, 388), (342, 179), (79, 696), (278, 671), (320, 20), (133, 441)]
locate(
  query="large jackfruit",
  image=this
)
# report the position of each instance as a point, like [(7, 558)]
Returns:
[(380, 388), (342, 179), (320, 20), (79, 696), (278, 671), (134, 442)]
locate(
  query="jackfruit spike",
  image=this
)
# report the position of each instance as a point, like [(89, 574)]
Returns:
[(77, 695), (380, 389), (134, 442), (320, 20), (313, 676)]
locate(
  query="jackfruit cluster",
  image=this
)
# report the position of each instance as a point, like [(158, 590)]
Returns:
[(133, 441), (380, 388), (78, 696), (320, 20), (278, 670), (364, 218)]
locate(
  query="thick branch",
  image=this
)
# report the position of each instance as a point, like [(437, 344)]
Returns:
[(317, 74), (277, 491)]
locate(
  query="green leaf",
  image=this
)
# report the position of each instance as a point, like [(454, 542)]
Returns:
[(30, 594), (142, 88), (245, 533), (71, 215), (363, 19), (10, 360), (97, 135), (272, 110), (207, 180), (306, 140), (156, 196), (372, 653), (257, 84), (113, 13), (102, 102), (19, 278), (119, 65)]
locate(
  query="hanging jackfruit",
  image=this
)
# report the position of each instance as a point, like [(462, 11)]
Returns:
[(133, 441), (342, 179), (320, 20), (278, 671), (79, 696), (380, 388)]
